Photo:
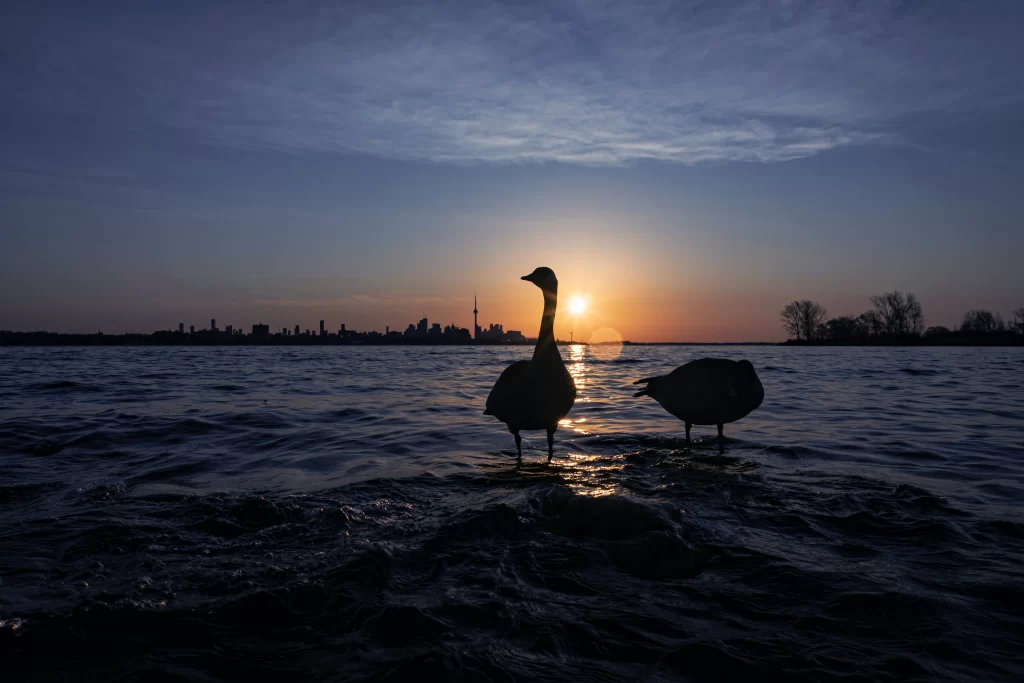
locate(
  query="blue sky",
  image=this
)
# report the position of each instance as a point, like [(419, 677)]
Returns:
[(690, 166)]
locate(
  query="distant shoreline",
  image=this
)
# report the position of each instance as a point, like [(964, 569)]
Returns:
[(39, 339), (172, 339), (949, 339)]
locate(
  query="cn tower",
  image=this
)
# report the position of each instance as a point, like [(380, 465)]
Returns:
[(476, 328)]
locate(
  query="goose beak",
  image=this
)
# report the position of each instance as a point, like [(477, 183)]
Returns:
[(526, 277)]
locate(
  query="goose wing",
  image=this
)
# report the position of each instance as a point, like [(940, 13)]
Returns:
[(510, 392), (699, 391)]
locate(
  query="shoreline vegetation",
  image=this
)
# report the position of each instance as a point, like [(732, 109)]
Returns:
[(896, 319)]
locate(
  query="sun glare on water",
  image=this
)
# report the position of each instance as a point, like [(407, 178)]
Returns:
[(577, 304)]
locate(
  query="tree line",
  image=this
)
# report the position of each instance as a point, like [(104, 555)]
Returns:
[(894, 316)]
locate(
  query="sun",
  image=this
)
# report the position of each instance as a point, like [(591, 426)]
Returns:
[(577, 304)]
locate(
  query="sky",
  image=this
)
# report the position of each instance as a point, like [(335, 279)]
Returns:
[(688, 167)]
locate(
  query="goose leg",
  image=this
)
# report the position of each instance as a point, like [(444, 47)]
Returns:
[(519, 444), (551, 441), (688, 425), (721, 439)]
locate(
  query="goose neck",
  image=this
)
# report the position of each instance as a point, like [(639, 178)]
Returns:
[(546, 338)]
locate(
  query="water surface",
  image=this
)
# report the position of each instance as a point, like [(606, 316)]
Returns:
[(347, 513)]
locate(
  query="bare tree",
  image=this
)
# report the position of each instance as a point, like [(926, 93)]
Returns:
[(899, 313), (982, 321), (1018, 320), (803, 318), (845, 328), (872, 323), (915, 318)]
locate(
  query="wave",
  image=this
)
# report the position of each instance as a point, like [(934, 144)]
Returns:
[(917, 371), (227, 387), (64, 386), (390, 532)]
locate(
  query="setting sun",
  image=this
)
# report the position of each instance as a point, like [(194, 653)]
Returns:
[(577, 304)]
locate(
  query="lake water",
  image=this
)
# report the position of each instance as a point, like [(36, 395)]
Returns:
[(347, 513)]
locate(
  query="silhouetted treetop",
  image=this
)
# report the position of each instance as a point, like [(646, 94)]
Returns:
[(803, 319), (982, 321), (846, 328), (899, 313), (896, 318)]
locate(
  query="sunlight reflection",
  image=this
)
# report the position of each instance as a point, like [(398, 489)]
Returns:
[(576, 352), (577, 368), (589, 475)]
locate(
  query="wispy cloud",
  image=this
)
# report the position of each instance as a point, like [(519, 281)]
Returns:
[(584, 82)]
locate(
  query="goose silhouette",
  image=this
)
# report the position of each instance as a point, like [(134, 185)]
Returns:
[(707, 391), (536, 393)]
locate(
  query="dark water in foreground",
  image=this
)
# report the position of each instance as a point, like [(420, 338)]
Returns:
[(348, 514)]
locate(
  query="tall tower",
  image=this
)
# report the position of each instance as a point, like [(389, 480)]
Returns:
[(476, 328)]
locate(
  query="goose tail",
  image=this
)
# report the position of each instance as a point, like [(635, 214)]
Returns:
[(647, 390)]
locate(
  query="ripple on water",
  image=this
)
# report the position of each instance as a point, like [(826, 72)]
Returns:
[(308, 518)]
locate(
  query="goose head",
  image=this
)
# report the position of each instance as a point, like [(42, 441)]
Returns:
[(543, 278)]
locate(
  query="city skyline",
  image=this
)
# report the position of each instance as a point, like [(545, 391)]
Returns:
[(421, 328)]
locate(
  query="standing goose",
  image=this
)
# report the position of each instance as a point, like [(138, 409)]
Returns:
[(537, 393), (707, 391)]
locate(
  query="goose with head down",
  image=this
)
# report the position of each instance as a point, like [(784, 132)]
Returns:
[(707, 391), (536, 393)]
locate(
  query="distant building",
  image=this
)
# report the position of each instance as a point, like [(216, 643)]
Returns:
[(228, 329), (410, 331), (261, 330), (514, 336), (492, 333), (421, 328), (323, 332), (213, 324), (454, 333), (181, 328), (296, 330), (435, 330), (191, 329)]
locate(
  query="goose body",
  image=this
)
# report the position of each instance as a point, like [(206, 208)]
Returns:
[(536, 393), (707, 391)]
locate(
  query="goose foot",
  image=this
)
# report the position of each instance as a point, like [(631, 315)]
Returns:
[(688, 425), (519, 445), (551, 441)]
